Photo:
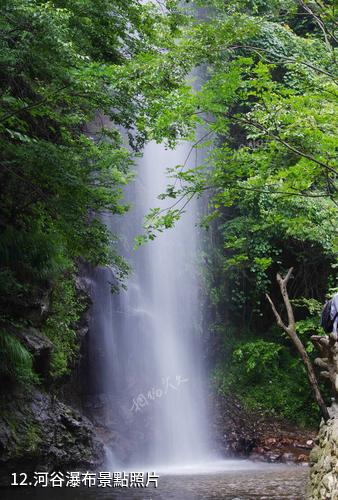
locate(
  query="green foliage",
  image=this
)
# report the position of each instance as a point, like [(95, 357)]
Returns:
[(310, 325), (60, 325), (259, 358), (59, 63), (266, 377), (33, 438), (267, 110), (267, 105), (27, 434), (16, 363), (64, 163)]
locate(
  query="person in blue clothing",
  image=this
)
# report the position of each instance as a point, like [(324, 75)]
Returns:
[(334, 314)]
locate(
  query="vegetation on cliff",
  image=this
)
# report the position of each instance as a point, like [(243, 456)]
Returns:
[(58, 65)]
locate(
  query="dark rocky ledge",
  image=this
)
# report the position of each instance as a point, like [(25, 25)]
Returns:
[(40, 433), (40, 429), (253, 435)]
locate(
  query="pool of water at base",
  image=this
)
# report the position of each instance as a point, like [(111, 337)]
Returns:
[(247, 482)]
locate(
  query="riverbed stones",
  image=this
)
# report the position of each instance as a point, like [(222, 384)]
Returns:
[(288, 458), (252, 434)]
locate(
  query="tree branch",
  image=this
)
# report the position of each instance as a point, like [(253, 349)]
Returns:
[(32, 105), (290, 329), (261, 127), (260, 50), (277, 315)]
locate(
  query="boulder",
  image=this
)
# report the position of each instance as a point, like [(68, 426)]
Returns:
[(289, 458)]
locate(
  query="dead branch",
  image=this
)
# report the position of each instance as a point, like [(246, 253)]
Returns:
[(290, 329)]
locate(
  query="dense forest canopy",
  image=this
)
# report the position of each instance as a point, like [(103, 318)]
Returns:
[(58, 61), (266, 114)]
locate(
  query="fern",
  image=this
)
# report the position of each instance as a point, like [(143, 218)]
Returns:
[(16, 363)]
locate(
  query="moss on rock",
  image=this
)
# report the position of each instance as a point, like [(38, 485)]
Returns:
[(323, 483)]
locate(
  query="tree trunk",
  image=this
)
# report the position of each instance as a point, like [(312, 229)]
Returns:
[(290, 329)]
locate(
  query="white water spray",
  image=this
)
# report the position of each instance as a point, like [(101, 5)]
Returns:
[(146, 342)]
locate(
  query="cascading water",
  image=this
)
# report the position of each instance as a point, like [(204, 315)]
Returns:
[(145, 343)]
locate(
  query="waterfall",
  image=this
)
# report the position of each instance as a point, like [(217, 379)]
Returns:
[(146, 353)]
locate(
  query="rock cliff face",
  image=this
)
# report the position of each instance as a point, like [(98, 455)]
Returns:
[(40, 429), (40, 433), (323, 483)]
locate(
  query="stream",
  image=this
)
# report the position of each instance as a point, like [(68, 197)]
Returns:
[(241, 480)]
